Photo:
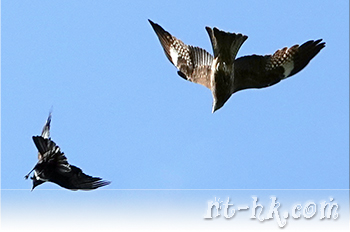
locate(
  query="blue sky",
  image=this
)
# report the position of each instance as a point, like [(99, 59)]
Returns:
[(121, 112)]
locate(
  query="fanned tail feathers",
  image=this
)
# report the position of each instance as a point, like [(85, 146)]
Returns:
[(225, 44)]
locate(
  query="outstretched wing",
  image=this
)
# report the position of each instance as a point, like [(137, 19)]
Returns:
[(49, 152), (79, 180), (46, 129), (194, 63), (263, 71)]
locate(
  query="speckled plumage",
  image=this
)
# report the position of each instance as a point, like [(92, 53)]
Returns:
[(222, 73)]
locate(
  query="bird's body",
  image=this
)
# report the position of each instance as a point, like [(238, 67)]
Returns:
[(222, 73), (54, 167)]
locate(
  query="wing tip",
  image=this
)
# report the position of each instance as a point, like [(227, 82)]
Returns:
[(98, 184), (308, 51), (156, 27), (152, 23)]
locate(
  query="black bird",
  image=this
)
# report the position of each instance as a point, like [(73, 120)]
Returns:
[(223, 74), (54, 167)]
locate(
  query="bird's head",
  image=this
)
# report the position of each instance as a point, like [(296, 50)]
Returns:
[(222, 89), (36, 182)]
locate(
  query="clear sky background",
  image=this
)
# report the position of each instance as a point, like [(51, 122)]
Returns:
[(121, 112)]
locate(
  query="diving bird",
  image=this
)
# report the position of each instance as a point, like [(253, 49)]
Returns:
[(54, 167), (223, 74)]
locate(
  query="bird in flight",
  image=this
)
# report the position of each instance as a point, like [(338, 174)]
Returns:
[(223, 74), (54, 167)]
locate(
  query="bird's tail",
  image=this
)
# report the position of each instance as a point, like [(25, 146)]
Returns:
[(42, 144), (225, 44)]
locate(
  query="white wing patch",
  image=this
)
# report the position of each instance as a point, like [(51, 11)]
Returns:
[(174, 55), (288, 67), (45, 134), (283, 58)]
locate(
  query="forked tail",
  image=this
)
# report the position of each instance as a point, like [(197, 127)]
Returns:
[(225, 44)]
